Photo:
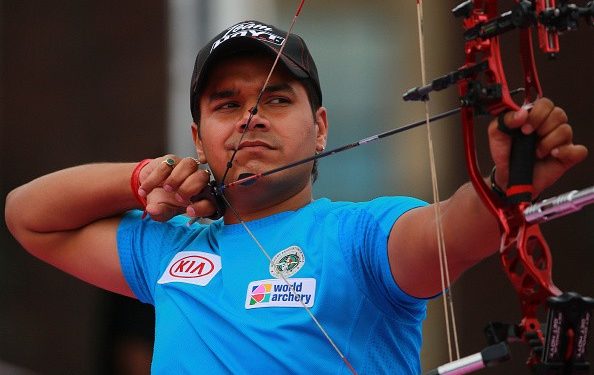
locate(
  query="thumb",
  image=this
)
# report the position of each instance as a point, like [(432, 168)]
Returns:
[(162, 211), (517, 119)]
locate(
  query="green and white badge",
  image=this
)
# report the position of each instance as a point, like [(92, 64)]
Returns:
[(287, 262)]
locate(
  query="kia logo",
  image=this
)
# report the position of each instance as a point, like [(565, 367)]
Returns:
[(191, 267)]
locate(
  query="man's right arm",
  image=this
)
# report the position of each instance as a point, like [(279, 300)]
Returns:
[(69, 219)]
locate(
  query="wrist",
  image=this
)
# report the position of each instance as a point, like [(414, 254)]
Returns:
[(499, 191), (135, 183)]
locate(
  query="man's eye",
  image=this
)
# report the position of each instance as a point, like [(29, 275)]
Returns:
[(278, 100), (228, 105)]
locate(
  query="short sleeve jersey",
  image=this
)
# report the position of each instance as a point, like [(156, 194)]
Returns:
[(222, 308)]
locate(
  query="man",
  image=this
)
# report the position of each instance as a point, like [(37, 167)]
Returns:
[(364, 270)]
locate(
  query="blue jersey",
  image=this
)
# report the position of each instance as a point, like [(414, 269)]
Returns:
[(223, 308)]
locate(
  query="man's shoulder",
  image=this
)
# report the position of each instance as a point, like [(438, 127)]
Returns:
[(381, 210), (148, 231), (376, 204)]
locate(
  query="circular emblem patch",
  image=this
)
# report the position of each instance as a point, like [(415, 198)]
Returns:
[(287, 262)]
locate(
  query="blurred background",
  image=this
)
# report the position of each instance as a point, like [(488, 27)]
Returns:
[(92, 81)]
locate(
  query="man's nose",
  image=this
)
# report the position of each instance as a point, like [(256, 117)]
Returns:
[(253, 120)]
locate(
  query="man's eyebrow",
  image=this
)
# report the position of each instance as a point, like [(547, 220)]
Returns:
[(284, 86), (222, 94), (228, 93)]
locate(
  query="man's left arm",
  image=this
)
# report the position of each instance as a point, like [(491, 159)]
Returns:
[(471, 233)]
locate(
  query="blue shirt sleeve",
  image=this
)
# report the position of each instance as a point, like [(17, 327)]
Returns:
[(143, 246), (364, 235)]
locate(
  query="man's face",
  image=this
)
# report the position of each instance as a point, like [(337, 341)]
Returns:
[(284, 129)]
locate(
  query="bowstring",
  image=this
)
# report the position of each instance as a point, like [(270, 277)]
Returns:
[(253, 112), (448, 302)]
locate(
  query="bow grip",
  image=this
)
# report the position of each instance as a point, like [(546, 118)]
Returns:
[(521, 163)]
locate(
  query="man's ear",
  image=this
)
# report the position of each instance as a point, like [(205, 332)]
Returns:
[(321, 119), (198, 143)]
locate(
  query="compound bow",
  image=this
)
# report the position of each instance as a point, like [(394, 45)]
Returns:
[(561, 347)]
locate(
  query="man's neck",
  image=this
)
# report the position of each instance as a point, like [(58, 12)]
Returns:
[(252, 210)]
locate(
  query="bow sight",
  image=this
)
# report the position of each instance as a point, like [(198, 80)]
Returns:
[(550, 18)]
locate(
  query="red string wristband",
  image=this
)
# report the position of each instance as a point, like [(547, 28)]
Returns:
[(135, 183)]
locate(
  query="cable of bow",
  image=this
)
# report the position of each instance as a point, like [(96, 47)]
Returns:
[(448, 302)]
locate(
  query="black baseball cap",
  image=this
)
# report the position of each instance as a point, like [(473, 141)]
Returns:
[(257, 36)]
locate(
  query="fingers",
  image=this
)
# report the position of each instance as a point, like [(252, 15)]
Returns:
[(186, 168), (169, 172), (555, 150), (570, 155), (162, 211), (545, 117), (552, 168), (532, 119), (559, 136), (169, 184), (185, 181), (191, 184), (542, 117), (548, 121), (161, 169), (201, 208), (162, 205)]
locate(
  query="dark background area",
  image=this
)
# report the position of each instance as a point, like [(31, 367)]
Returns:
[(86, 81), (82, 81)]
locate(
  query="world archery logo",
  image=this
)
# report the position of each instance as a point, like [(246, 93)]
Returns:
[(260, 293), (287, 262), (281, 293)]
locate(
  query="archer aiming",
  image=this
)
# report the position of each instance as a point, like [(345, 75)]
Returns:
[(363, 270)]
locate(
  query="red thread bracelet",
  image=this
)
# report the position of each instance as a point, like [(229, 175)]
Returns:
[(135, 183)]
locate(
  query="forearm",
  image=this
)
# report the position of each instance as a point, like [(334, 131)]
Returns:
[(71, 198), (471, 232)]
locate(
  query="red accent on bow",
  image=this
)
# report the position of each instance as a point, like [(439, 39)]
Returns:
[(524, 252)]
